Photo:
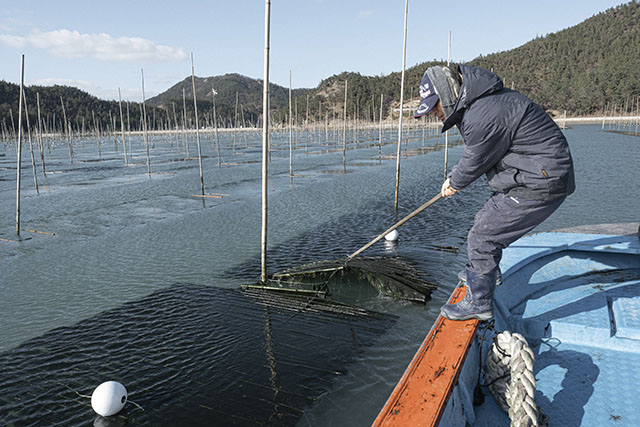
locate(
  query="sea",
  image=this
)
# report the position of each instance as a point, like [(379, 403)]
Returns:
[(123, 271)]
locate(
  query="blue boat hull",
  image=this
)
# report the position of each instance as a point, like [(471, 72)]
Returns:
[(575, 297)]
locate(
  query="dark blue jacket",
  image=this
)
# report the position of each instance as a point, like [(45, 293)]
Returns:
[(510, 138)]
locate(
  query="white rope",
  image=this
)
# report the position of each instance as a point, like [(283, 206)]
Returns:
[(510, 378)]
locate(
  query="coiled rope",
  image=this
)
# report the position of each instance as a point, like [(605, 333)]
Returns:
[(511, 381)]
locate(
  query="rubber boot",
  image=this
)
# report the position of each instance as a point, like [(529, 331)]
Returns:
[(462, 277), (477, 303)]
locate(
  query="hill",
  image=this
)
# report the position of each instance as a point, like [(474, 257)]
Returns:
[(228, 87), (586, 69), (80, 108), (580, 69)]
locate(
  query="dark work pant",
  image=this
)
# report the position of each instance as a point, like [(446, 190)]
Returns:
[(501, 221)]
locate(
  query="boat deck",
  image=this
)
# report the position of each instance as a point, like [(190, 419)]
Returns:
[(578, 305), (574, 295)]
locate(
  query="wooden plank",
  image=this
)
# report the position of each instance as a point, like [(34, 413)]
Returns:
[(212, 196), (421, 395)]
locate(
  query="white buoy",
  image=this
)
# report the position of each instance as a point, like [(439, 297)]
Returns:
[(109, 398), (392, 236)]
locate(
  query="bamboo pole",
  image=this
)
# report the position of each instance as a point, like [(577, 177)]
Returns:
[(97, 128), (404, 57), (306, 128), (19, 148), (215, 123), (235, 125), (40, 140), (124, 141), (195, 112), (175, 119), (13, 125), (33, 160), (290, 130), (380, 134), (68, 131), (344, 128), (113, 131), (265, 141), (129, 131), (185, 139), (144, 126)]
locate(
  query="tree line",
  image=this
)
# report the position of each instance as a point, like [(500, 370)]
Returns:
[(592, 68)]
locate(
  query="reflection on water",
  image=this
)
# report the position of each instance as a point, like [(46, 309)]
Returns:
[(121, 235), (189, 355)]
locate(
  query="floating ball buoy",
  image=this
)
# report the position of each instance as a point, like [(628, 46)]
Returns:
[(392, 236), (109, 398)]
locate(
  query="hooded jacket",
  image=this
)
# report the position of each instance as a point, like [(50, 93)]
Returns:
[(509, 138)]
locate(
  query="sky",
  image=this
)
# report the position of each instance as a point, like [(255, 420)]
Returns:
[(101, 46)]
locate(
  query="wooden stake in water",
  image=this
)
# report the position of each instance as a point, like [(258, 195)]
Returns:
[(404, 57), (235, 125), (19, 146), (40, 140), (129, 130), (144, 126), (265, 141), (185, 139), (215, 123), (380, 135), (290, 130), (33, 161), (195, 112), (124, 142), (97, 127), (112, 123), (68, 131), (344, 128)]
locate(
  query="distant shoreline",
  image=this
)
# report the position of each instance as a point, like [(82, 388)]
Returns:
[(386, 124), (588, 120)]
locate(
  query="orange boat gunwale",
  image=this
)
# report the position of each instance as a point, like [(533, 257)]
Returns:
[(421, 395)]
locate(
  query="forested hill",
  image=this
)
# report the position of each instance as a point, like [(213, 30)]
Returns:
[(580, 69), (231, 89), (79, 107), (585, 70)]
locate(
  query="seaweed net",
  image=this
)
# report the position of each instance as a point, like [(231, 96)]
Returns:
[(390, 276)]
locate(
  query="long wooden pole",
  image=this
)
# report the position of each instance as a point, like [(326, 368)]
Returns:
[(195, 112), (404, 57), (265, 140), (144, 126), (290, 130), (396, 225), (185, 138), (344, 128), (129, 131), (215, 123), (40, 140), (33, 160), (380, 135), (124, 141), (19, 146), (66, 126), (235, 125)]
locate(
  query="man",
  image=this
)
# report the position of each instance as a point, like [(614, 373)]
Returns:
[(526, 160)]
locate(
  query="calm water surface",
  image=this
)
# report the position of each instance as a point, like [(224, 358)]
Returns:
[(124, 240)]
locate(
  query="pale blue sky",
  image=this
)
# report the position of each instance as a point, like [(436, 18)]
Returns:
[(100, 46)]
